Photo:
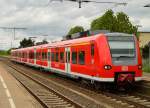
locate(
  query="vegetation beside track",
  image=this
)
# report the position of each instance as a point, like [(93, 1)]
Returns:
[(4, 53), (146, 66)]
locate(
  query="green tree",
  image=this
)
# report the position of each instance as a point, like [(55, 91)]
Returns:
[(26, 43), (105, 22), (9, 51), (43, 42), (75, 29), (145, 51), (124, 25), (115, 23)]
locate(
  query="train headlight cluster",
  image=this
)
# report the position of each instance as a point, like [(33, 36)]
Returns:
[(107, 67), (139, 67)]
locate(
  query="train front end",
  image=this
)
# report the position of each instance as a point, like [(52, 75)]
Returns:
[(123, 60)]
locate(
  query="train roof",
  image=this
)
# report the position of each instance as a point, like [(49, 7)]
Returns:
[(118, 34), (73, 41)]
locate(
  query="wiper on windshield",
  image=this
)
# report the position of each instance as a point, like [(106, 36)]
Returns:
[(118, 57), (124, 56)]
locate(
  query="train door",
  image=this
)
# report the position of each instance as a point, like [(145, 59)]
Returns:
[(67, 64), (49, 58)]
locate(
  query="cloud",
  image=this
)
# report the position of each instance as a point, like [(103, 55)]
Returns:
[(56, 18)]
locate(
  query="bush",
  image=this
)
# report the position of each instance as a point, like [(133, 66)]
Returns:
[(145, 51), (4, 53), (146, 65)]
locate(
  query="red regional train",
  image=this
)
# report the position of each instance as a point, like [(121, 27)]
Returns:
[(105, 57)]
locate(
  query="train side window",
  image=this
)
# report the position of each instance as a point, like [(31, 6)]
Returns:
[(32, 55), (62, 57), (74, 57), (81, 57), (57, 56), (43, 55), (53, 56), (92, 50), (68, 57), (49, 55), (29, 55), (37, 54)]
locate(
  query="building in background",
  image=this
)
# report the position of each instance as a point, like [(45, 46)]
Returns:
[(144, 38)]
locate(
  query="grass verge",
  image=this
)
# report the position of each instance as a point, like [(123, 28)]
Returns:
[(146, 66)]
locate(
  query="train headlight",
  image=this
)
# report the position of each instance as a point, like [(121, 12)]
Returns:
[(107, 67), (139, 67)]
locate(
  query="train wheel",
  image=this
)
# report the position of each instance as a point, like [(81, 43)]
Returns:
[(84, 83), (97, 85)]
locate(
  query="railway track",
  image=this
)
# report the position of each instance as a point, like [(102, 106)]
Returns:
[(48, 97), (115, 100), (71, 99)]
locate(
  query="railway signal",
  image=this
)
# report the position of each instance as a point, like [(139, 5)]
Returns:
[(14, 31), (90, 1)]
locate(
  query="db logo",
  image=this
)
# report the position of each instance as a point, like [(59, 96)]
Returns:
[(124, 68)]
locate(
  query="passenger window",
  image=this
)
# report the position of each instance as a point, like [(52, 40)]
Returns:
[(62, 57), (81, 57), (49, 55), (37, 54), (32, 55), (53, 56), (68, 57), (57, 57), (44, 55), (92, 50), (74, 57)]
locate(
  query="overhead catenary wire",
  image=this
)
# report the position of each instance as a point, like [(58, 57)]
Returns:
[(90, 1), (14, 32)]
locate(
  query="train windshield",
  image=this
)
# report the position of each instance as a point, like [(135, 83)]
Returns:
[(122, 47)]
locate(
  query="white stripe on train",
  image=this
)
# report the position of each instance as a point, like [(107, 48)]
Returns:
[(74, 74)]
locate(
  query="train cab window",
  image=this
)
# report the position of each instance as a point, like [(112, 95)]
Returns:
[(53, 56), (74, 57), (81, 57), (57, 56), (92, 50), (62, 57)]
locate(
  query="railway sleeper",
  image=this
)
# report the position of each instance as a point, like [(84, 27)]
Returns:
[(53, 101), (60, 106)]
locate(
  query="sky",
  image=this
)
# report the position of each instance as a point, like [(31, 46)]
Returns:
[(52, 20)]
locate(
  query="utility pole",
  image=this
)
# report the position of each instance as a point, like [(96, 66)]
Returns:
[(14, 32)]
